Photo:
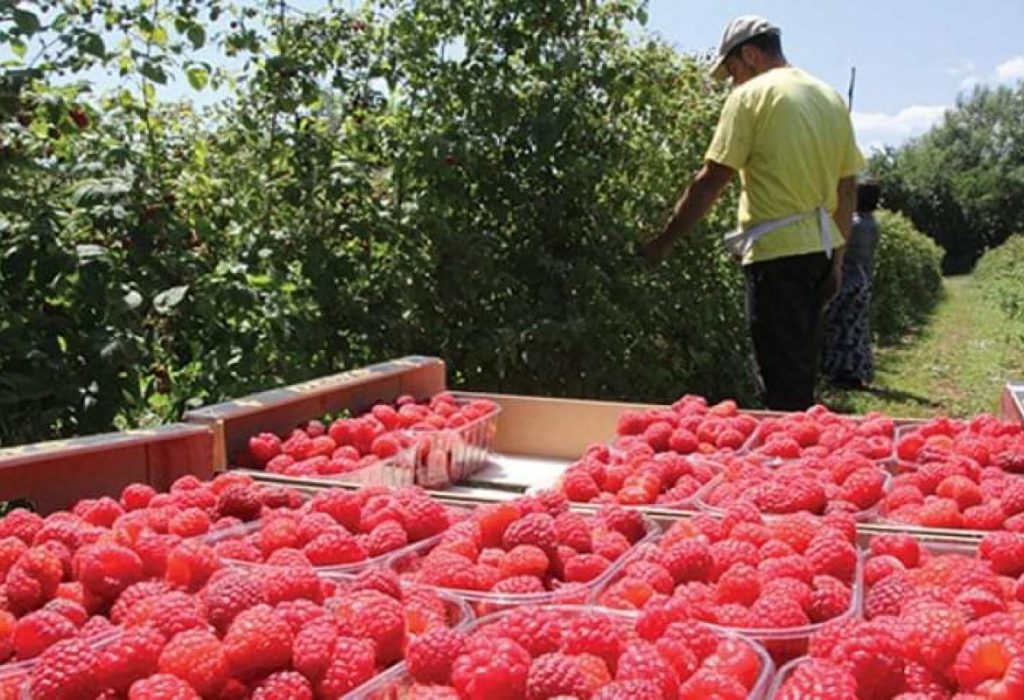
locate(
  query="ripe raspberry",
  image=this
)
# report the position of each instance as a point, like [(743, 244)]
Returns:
[(537, 529), (583, 568), (593, 633), (431, 655), (230, 595), (1004, 552), (197, 657), (932, 634), (555, 674), (375, 616), (134, 594), (239, 501), (689, 560), (385, 538), (940, 513), (38, 631), (21, 523), (495, 669), (162, 686), (728, 553), (75, 612), (630, 690), (736, 659), (107, 569), (170, 613), (334, 547), (994, 663), (128, 658), (350, 666), (833, 556), (424, 518), (628, 522), (904, 547), (887, 596), (11, 549), (987, 516), (524, 560), (344, 506), (65, 671), (33, 579), (284, 684), (631, 423), (264, 447), (829, 598), (819, 680), (257, 643), (740, 584), (102, 512), (579, 486), (572, 530), (190, 564), (654, 574), (313, 647), (641, 661)]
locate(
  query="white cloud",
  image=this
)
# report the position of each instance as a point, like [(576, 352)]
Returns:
[(878, 129), (970, 82), (1011, 69)]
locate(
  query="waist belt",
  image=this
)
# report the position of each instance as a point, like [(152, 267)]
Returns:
[(740, 242)]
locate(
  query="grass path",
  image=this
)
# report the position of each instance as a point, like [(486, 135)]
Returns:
[(956, 366)]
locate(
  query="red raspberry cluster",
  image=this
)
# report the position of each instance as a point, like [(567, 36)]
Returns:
[(953, 491), (61, 576), (338, 528), (817, 432), (635, 475), (530, 545), (940, 623), (260, 635), (346, 445), (985, 439), (689, 426), (843, 482), (743, 573), (540, 653)]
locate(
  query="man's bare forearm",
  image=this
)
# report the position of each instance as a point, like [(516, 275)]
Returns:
[(698, 198), (846, 193)]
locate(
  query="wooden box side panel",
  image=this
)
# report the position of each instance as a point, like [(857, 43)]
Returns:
[(55, 475), (281, 410)]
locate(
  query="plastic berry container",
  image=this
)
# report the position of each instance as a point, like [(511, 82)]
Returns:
[(449, 455), (688, 503), (249, 533), (15, 677), (869, 515), (394, 684), (250, 530), (783, 674), (485, 603)]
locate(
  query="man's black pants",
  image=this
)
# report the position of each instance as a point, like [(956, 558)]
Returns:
[(786, 298)]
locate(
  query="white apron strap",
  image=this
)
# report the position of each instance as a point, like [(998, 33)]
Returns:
[(739, 242)]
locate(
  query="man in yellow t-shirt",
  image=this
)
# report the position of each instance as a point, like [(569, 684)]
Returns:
[(790, 138)]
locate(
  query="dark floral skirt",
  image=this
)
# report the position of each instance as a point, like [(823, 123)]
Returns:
[(847, 355)]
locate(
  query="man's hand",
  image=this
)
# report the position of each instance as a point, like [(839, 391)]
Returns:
[(654, 250)]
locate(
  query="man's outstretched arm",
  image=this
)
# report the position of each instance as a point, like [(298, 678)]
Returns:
[(698, 198), (846, 193)]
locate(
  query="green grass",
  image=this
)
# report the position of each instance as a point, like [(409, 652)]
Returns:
[(956, 365)]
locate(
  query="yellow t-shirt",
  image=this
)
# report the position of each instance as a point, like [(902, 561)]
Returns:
[(790, 137)]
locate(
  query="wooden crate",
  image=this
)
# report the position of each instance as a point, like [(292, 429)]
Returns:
[(281, 410), (1012, 404), (54, 475)]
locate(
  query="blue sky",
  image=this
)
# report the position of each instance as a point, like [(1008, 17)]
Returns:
[(912, 56)]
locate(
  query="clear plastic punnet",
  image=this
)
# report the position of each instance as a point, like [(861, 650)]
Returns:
[(394, 684), (484, 603), (869, 515), (446, 456)]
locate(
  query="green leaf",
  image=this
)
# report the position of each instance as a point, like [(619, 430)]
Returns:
[(197, 35), (133, 300), (154, 72), (92, 43), (198, 77), (27, 22), (165, 301), (18, 47)]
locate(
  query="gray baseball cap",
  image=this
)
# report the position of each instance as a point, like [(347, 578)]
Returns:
[(736, 32)]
